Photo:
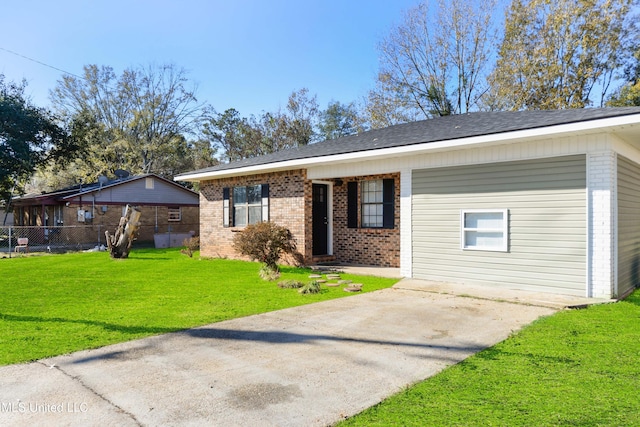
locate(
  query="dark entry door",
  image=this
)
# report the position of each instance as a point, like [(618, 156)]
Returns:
[(320, 219)]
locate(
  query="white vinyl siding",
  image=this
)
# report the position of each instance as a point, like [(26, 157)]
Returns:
[(628, 225), (135, 192), (546, 203)]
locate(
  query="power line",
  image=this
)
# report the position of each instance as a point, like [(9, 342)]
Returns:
[(40, 62)]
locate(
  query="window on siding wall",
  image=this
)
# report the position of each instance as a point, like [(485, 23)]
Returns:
[(486, 230), (174, 214), (249, 205), (376, 204)]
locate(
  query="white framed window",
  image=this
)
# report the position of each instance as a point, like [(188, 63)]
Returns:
[(244, 205), (372, 208), (149, 183), (247, 205), (377, 198), (484, 229), (174, 214)]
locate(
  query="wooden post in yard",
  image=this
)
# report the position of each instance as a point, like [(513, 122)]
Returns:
[(120, 243)]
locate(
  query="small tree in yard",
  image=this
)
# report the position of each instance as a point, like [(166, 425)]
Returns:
[(265, 242)]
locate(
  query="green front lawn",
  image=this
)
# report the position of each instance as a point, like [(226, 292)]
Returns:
[(575, 368), (55, 304)]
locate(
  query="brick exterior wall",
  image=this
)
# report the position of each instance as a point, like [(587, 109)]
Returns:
[(287, 207), (368, 246), (109, 220), (92, 230), (290, 205)]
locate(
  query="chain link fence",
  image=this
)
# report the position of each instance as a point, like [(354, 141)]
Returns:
[(74, 238), (50, 239)]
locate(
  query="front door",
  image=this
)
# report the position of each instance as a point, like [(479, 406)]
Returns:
[(320, 219)]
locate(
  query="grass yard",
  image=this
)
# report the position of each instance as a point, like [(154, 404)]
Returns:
[(575, 368), (56, 304)]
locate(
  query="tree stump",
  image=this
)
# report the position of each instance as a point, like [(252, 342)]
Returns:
[(120, 243)]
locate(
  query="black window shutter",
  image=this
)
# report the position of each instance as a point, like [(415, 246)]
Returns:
[(225, 207), (388, 203), (352, 204)]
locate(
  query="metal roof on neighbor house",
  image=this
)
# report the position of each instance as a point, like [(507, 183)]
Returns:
[(431, 130), (98, 186), (84, 189)]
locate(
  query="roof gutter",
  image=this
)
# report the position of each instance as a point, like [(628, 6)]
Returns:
[(583, 127)]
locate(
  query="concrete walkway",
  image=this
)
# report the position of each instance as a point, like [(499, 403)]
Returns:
[(305, 366)]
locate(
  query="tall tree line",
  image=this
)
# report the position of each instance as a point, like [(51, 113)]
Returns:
[(301, 122), (450, 57), (444, 57)]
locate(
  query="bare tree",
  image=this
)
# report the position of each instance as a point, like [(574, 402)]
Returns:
[(137, 121), (560, 54), (434, 63), (302, 115), (628, 95)]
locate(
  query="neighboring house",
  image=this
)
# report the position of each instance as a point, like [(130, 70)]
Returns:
[(165, 205), (534, 200), (7, 217)]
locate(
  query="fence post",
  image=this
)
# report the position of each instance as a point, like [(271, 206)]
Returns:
[(10, 241)]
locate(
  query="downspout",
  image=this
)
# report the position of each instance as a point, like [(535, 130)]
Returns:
[(93, 215), (43, 221)]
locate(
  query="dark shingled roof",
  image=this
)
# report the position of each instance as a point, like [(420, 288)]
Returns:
[(432, 130)]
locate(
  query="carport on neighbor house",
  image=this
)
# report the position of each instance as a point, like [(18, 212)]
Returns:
[(533, 200)]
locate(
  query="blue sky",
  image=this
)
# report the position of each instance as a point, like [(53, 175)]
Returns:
[(245, 54)]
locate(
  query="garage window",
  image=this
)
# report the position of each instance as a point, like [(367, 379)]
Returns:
[(485, 230)]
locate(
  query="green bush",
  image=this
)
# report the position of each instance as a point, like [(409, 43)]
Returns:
[(265, 242)]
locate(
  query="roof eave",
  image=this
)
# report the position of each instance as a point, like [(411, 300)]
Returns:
[(125, 181), (576, 128)]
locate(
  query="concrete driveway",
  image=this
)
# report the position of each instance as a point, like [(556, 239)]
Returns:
[(303, 366)]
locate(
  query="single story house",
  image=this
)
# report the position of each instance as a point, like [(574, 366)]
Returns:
[(534, 200), (96, 207)]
